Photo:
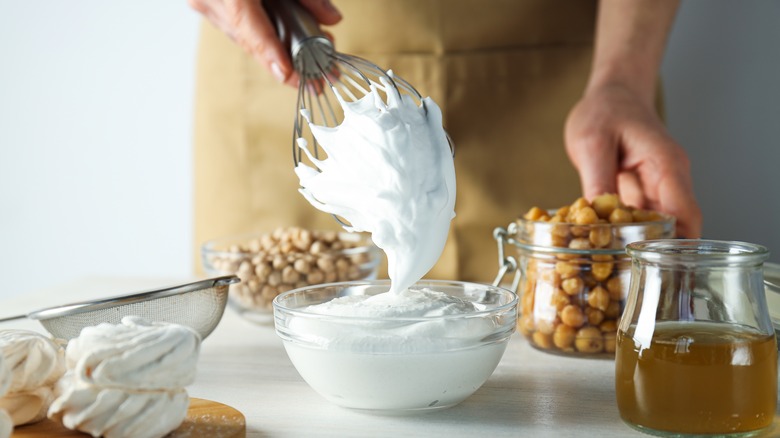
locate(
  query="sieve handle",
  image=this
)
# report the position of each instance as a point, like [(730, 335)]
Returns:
[(12, 318)]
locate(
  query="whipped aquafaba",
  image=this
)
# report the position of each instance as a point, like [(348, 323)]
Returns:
[(389, 171)]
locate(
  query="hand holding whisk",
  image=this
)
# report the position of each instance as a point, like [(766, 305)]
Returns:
[(326, 76)]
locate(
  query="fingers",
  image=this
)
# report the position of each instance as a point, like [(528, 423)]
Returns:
[(677, 199), (246, 23), (595, 155), (630, 189), (323, 11), (257, 35)]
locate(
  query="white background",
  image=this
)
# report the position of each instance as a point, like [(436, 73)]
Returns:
[(96, 119)]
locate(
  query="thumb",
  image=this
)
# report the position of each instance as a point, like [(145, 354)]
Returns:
[(596, 158)]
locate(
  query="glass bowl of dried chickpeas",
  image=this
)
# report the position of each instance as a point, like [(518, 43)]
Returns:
[(574, 272), (272, 263)]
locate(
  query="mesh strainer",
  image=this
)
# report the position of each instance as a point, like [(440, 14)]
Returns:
[(198, 305)]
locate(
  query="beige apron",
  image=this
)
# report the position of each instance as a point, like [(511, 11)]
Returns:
[(504, 72)]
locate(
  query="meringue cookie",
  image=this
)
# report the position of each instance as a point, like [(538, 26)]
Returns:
[(135, 354), (27, 406), (126, 380), (6, 424), (117, 413), (35, 363), (34, 359)]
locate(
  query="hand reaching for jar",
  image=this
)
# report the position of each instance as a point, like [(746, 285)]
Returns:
[(619, 145), (246, 23), (613, 135)]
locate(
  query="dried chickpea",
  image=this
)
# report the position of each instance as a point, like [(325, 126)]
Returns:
[(302, 265), (563, 337), (545, 326), (279, 262), (275, 279), (572, 316), (600, 236), (613, 310), (580, 243), (609, 325), (615, 288), (601, 270), (585, 216), (275, 262), (620, 216), (315, 276), (610, 342), (567, 269), (536, 214), (579, 230), (526, 325), (550, 276), (645, 215), (589, 340), (573, 286), (605, 204), (325, 263), (527, 300), (559, 300), (598, 298), (543, 340), (579, 203), (595, 316), (290, 275)]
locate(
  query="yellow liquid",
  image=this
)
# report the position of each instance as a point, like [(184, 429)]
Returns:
[(698, 378)]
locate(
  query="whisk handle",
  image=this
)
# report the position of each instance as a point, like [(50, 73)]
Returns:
[(297, 29)]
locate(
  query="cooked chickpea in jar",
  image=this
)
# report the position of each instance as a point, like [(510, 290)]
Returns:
[(575, 273)]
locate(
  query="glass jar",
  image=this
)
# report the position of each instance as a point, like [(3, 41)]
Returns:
[(571, 299), (696, 351)]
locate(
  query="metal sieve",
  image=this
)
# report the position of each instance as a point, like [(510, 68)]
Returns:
[(198, 305)]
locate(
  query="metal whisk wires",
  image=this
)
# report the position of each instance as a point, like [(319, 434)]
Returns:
[(337, 77)]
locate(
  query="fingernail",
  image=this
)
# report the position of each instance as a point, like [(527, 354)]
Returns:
[(277, 72)]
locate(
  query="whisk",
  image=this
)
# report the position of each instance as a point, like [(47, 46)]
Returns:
[(325, 73)]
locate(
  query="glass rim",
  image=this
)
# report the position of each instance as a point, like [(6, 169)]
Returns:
[(300, 312), (698, 251)]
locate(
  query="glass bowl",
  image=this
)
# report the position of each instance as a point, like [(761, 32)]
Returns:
[(396, 364), (572, 299), (273, 263)]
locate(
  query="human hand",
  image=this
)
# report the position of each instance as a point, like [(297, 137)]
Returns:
[(246, 23), (618, 144)]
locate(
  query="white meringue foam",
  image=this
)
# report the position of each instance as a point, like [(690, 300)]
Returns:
[(390, 172)]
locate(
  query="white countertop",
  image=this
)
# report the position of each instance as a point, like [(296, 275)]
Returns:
[(244, 365)]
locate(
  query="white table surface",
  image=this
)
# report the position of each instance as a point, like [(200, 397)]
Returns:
[(531, 394)]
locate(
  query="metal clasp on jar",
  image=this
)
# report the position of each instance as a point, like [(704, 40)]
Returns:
[(506, 264)]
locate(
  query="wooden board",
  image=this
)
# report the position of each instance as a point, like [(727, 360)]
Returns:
[(205, 419)]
